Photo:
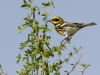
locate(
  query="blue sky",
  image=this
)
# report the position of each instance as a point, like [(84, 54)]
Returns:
[(83, 11)]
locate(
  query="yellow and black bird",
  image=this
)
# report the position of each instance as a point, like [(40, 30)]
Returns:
[(66, 28)]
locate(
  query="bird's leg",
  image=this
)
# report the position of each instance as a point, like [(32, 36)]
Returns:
[(67, 39)]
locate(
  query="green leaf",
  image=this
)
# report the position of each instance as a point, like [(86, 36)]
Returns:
[(47, 13), (36, 22), (46, 4), (24, 5), (24, 1), (38, 12), (19, 28), (17, 61), (76, 51), (34, 9), (66, 71), (44, 18), (25, 18), (0, 66), (80, 70), (18, 57), (67, 61), (70, 54), (28, 51), (83, 65), (38, 9), (18, 71), (51, 3), (43, 15), (72, 64), (29, 63), (88, 65), (48, 37)]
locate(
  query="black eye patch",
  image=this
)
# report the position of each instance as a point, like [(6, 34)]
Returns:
[(57, 20)]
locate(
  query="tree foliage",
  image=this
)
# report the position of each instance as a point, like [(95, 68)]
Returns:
[(37, 50)]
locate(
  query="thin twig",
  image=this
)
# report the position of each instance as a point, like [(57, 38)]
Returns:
[(68, 59), (83, 71), (39, 8), (34, 16), (2, 71), (34, 21), (70, 56), (62, 41), (48, 47), (74, 65), (67, 40), (58, 67)]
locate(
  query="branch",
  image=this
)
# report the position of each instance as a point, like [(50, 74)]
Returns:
[(34, 16), (66, 40), (70, 56), (68, 59), (2, 71), (62, 42), (34, 21), (74, 65), (83, 71), (41, 8)]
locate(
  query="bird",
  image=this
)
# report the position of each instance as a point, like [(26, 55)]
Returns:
[(67, 29)]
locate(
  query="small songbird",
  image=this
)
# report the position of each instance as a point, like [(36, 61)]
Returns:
[(66, 28)]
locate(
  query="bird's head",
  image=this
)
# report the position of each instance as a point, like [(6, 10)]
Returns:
[(56, 20)]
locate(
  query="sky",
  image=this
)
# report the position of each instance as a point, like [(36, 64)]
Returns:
[(82, 11)]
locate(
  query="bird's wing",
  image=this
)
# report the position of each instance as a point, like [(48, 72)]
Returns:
[(68, 24), (74, 24)]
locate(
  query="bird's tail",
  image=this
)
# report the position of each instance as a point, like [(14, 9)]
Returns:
[(90, 24)]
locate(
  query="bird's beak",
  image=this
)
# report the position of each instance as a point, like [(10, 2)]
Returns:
[(48, 21)]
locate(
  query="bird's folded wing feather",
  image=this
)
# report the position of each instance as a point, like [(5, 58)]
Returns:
[(68, 24)]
